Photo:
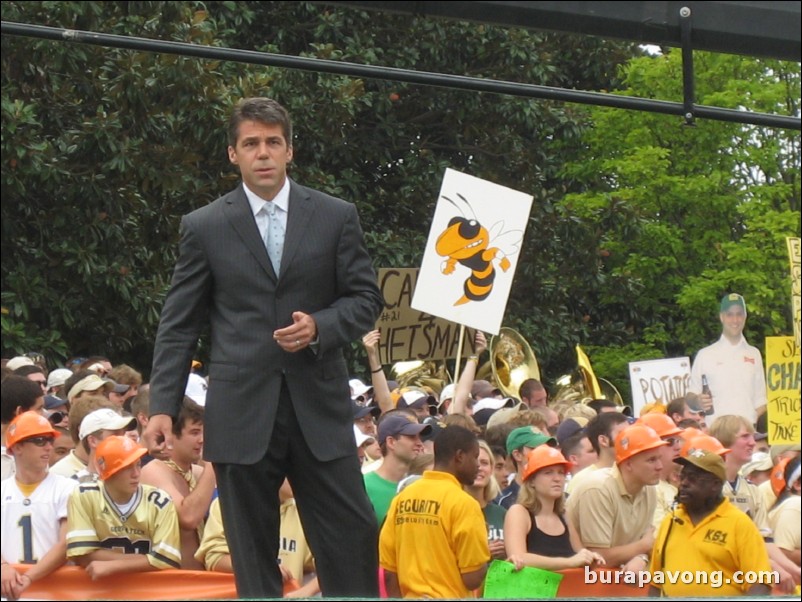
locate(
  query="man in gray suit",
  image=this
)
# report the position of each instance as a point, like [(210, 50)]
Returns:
[(281, 274)]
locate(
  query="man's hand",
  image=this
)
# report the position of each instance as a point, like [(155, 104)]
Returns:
[(97, 569), (13, 583), (497, 550), (297, 335), (158, 436), (706, 401)]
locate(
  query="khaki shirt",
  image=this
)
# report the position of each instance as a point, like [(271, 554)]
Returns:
[(747, 498), (605, 515)]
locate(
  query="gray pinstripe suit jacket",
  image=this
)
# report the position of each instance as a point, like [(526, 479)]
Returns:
[(224, 278)]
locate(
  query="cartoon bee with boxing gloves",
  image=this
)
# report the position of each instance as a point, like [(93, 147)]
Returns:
[(469, 243)]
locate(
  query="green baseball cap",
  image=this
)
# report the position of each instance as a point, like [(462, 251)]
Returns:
[(732, 300), (528, 436)]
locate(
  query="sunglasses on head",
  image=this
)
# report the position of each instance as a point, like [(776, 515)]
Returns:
[(40, 441)]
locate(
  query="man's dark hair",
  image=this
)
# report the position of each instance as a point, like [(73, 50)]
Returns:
[(26, 370), (190, 412), (570, 444), (262, 110), (17, 392), (597, 404), (602, 424), (450, 441), (675, 406), (529, 386), (688, 423)]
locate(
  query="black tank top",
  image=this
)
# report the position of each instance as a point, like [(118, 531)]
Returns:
[(554, 546)]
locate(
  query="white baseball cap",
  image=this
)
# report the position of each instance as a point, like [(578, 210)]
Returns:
[(493, 403), (361, 438), (196, 388), (358, 387), (105, 419), (58, 377), (18, 362)]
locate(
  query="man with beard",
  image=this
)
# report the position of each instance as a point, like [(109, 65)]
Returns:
[(707, 534)]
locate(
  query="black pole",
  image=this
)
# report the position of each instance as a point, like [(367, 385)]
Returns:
[(394, 74), (688, 90)]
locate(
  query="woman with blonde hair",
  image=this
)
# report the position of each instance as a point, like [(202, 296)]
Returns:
[(536, 532), (485, 489)]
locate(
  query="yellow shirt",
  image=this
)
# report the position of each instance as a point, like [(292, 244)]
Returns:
[(726, 540), (749, 500), (666, 494), (293, 551), (149, 527), (785, 523), (434, 532)]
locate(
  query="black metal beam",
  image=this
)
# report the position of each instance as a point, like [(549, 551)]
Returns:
[(766, 29), (393, 74)]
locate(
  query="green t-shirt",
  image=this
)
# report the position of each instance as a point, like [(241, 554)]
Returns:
[(494, 517), (381, 492)]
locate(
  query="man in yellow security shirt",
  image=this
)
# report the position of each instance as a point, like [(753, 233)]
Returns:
[(435, 514), (709, 538)]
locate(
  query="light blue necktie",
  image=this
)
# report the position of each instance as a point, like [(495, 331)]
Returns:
[(274, 237)]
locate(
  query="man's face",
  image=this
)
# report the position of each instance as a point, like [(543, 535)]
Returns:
[(121, 398), (584, 456), (34, 453), (407, 447), (366, 424), (743, 446), (647, 466), (467, 465), (126, 481), (538, 398), (502, 468), (40, 379), (188, 447), (62, 446), (732, 322), (696, 486), (262, 155)]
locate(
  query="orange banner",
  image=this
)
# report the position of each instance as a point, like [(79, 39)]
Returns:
[(72, 583)]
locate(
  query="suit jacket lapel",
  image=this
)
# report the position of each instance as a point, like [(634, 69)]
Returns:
[(238, 212), (300, 211)]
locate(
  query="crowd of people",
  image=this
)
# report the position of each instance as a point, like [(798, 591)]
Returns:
[(453, 481), (263, 467)]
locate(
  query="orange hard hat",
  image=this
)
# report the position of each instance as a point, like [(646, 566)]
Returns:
[(634, 440), (690, 433), (544, 456), (661, 423), (115, 453), (27, 425), (777, 476), (705, 442)]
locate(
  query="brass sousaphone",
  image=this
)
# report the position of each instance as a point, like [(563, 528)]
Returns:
[(582, 385), (512, 361)]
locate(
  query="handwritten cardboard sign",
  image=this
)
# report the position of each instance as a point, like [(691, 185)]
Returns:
[(782, 384), (664, 379)]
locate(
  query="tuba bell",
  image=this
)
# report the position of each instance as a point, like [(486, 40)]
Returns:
[(512, 361), (420, 373), (582, 385)]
